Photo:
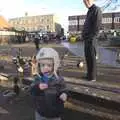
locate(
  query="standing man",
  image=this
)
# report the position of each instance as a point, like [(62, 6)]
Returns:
[(90, 31)]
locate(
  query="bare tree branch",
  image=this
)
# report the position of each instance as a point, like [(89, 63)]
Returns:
[(111, 4)]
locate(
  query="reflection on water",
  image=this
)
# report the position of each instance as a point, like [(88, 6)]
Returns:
[(106, 55)]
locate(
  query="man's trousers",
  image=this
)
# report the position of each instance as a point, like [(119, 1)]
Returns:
[(90, 56)]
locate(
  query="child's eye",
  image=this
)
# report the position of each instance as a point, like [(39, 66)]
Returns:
[(49, 65), (42, 65)]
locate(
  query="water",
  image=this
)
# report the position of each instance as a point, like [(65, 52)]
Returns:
[(106, 55)]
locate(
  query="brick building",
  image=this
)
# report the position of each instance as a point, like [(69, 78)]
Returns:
[(109, 21)]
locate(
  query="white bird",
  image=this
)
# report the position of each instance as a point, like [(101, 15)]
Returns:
[(80, 64)]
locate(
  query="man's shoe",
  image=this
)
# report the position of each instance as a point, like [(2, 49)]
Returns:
[(92, 80)]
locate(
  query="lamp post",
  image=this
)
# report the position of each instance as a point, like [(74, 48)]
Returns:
[(78, 23)]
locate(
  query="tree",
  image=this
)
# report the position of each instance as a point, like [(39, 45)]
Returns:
[(109, 4)]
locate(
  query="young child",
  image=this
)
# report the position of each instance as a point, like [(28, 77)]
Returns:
[(48, 89)]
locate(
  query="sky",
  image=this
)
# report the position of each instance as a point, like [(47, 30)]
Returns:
[(61, 8)]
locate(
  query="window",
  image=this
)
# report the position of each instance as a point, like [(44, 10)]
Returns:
[(35, 28), (29, 21), (23, 22), (47, 27), (17, 22), (110, 20), (47, 20), (73, 22), (42, 20), (117, 20), (81, 21), (106, 20)]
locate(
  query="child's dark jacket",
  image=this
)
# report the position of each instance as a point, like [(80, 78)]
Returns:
[(47, 102)]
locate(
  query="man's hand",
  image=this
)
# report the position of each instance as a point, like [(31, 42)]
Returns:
[(63, 97), (43, 86)]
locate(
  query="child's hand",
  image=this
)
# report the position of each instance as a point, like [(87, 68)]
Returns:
[(63, 97), (43, 86)]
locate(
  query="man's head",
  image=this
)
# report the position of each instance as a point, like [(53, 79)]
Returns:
[(88, 3)]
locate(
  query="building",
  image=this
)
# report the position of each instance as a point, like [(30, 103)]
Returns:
[(7, 33), (109, 21), (37, 23)]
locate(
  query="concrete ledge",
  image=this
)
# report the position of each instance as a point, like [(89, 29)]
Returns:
[(104, 85), (103, 90), (100, 90), (98, 112), (5, 75)]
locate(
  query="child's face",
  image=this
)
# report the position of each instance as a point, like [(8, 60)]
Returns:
[(46, 65)]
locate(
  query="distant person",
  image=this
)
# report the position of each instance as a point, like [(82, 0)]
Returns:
[(36, 41), (90, 31), (26, 38), (48, 88), (58, 38), (104, 36)]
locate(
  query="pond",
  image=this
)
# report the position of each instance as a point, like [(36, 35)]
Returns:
[(107, 55)]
